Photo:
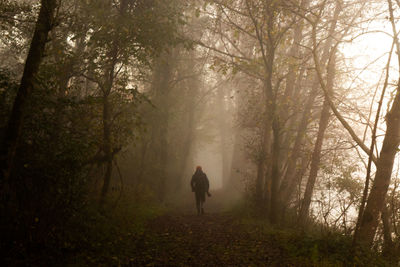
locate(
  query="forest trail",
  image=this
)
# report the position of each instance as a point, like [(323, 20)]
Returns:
[(204, 240), (216, 238), (223, 236)]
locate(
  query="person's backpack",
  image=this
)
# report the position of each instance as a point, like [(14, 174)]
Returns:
[(201, 182)]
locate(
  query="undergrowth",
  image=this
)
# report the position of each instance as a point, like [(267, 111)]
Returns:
[(299, 247), (107, 240), (90, 237)]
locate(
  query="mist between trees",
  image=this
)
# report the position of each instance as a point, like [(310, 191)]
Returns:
[(293, 106)]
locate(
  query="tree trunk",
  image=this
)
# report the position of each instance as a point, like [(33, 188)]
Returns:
[(107, 87), (222, 127), (316, 156), (295, 184), (387, 232), (273, 119), (107, 125), (288, 98), (259, 180), (141, 168), (261, 173), (191, 95), (275, 171), (161, 89), (371, 153), (237, 162), (187, 145), (12, 134), (106, 149), (289, 180), (315, 160), (384, 164), (383, 175), (163, 157)]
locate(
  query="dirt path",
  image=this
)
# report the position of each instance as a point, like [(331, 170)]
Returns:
[(218, 238), (207, 240)]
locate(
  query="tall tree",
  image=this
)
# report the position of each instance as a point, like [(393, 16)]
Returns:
[(316, 156), (9, 143), (289, 179), (384, 165), (124, 37)]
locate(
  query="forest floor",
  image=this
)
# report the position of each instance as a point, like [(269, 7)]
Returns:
[(205, 240), (216, 238), (220, 237)]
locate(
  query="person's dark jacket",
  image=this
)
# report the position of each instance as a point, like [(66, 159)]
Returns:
[(199, 182)]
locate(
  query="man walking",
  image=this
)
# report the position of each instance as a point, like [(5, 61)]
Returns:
[(200, 186)]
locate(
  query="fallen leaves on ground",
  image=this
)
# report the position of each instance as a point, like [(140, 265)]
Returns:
[(207, 240)]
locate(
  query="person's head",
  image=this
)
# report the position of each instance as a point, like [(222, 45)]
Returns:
[(198, 169)]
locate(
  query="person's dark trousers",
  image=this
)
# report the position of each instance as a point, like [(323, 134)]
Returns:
[(200, 199)]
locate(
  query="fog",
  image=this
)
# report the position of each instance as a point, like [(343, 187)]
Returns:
[(117, 113), (211, 163)]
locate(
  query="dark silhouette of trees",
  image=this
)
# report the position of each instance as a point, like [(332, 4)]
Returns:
[(112, 103), (44, 24)]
